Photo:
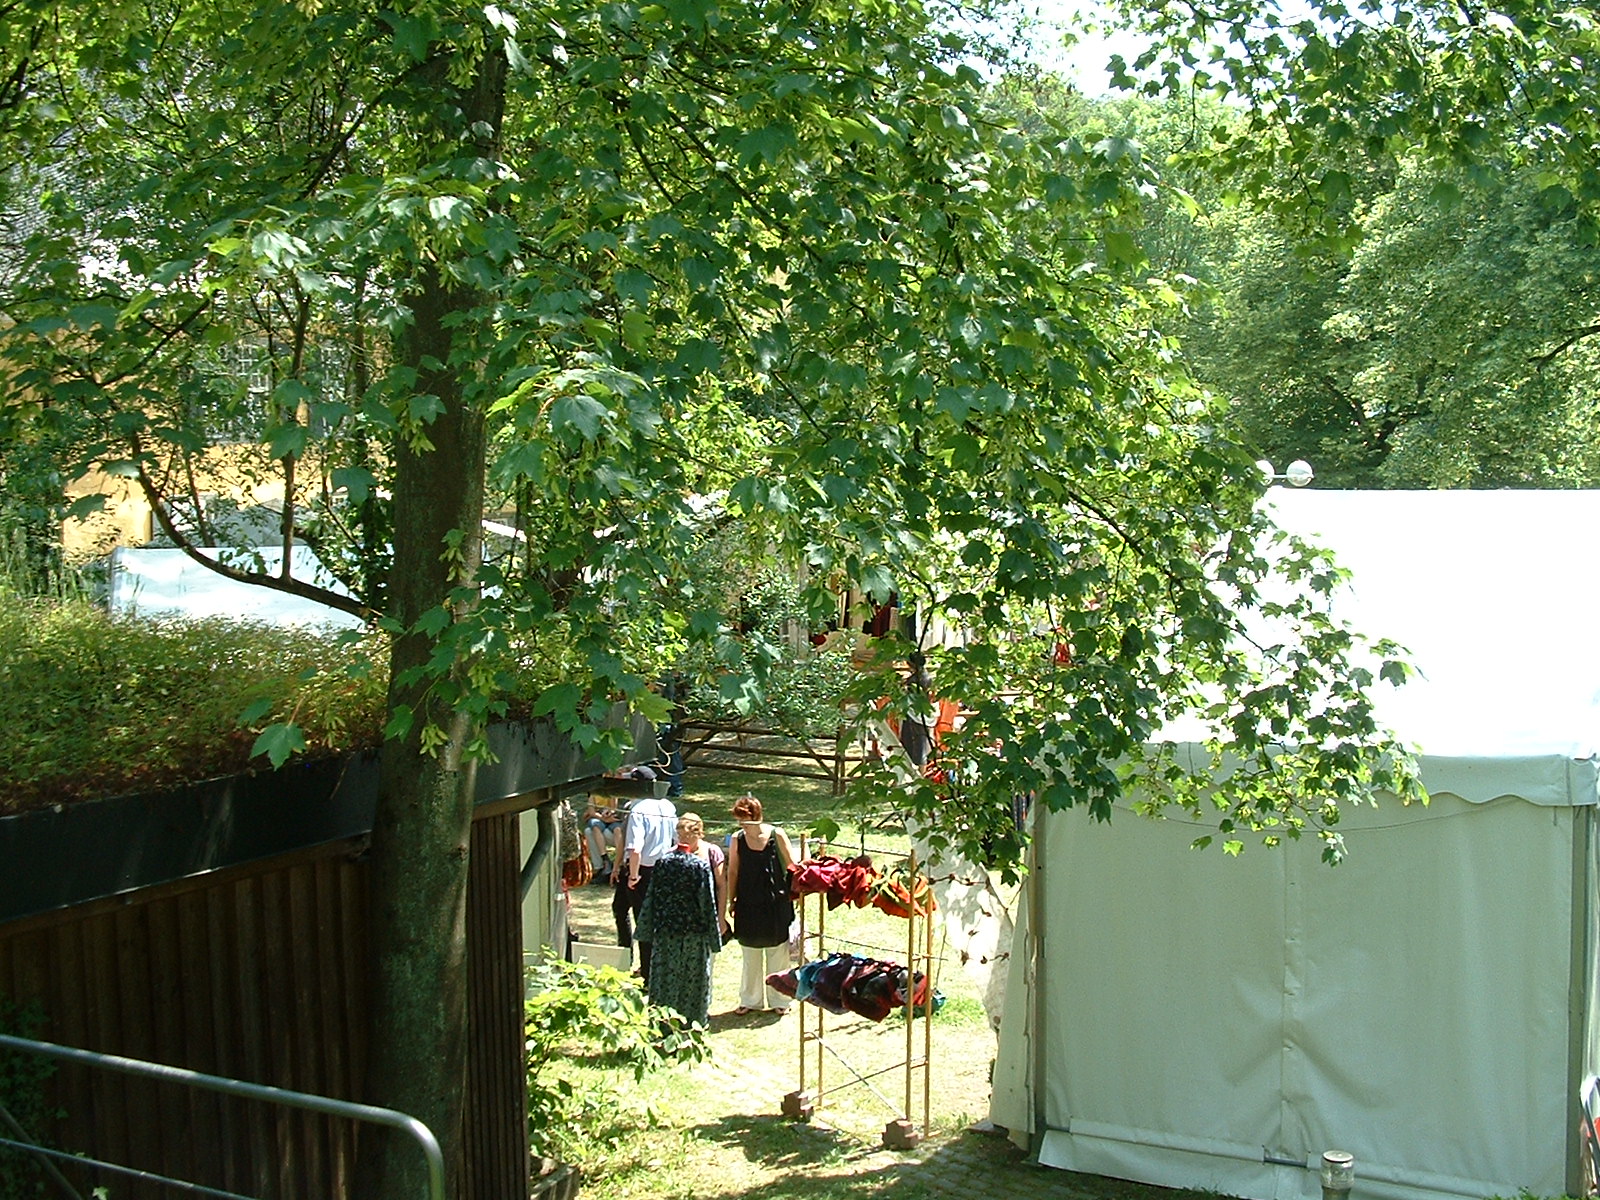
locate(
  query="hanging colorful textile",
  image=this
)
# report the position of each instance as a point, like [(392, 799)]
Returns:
[(842, 882), (842, 983)]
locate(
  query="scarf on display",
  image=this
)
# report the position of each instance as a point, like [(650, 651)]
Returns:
[(842, 983), (856, 881)]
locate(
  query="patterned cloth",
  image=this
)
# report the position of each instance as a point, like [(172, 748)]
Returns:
[(679, 920), (844, 983)]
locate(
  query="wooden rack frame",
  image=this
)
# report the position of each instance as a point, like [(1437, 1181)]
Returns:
[(725, 746), (901, 1133)]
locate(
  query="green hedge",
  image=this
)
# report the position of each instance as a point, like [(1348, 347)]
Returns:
[(92, 705)]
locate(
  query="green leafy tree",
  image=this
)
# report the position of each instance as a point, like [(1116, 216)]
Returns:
[(1402, 299), (604, 260)]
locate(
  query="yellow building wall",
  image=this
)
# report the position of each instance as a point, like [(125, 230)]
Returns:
[(240, 473)]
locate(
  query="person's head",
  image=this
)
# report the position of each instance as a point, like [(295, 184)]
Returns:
[(690, 829), (747, 808)]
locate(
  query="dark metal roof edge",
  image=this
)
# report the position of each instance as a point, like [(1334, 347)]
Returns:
[(65, 856)]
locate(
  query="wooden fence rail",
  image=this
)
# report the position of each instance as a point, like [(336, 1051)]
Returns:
[(739, 746)]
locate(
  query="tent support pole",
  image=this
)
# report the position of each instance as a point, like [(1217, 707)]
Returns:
[(1580, 986), (1036, 932)]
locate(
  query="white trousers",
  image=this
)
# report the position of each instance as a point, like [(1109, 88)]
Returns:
[(759, 962)]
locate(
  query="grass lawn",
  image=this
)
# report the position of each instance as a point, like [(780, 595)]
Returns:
[(715, 1129)]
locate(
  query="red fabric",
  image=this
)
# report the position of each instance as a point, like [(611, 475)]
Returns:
[(841, 882), (901, 896)]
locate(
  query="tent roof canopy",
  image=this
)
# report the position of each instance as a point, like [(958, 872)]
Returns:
[(1494, 595)]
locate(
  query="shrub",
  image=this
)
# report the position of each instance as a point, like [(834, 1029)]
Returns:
[(575, 1010), (23, 1080), (93, 705)]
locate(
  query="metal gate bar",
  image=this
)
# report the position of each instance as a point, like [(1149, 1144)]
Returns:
[(231, 1087)]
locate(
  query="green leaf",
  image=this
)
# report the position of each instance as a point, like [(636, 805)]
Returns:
[(255, 712), (85, 506), (400, 721), (423, 409), (580, 412), (563, 698), (435, 621), (449, 212), (412, 34), (1122, 248), (95, 316), (633, 285), (357, 482), (699, 356), (636, 329), (278, 742), (765, 145), (287, 441)]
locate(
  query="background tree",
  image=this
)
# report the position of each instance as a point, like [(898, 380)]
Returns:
[(1452, 363)]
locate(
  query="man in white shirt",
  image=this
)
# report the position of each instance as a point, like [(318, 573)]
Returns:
[(651, 831)]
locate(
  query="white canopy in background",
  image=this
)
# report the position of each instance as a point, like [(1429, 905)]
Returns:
[(1184, 1018), (1496, 594), (168, 583)]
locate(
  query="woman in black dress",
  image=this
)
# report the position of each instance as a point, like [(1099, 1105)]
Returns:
[(758, 897)]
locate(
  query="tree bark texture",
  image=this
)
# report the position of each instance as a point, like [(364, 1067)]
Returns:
[(418, 1022), (417, 1030)]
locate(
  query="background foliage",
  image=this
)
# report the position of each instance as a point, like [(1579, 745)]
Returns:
[(91, 705)]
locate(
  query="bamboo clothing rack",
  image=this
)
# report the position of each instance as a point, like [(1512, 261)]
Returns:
[(815, 1050)]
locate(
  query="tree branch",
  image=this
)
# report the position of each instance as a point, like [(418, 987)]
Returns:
[(1541, 361), (286, 584)]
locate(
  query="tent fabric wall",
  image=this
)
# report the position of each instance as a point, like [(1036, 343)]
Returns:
[(1427, 1005), (1180, 1017)]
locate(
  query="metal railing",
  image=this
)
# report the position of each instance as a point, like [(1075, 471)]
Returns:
[(212, 1083)]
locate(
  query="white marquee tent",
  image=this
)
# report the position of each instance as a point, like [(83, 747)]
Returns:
[(1183, 1018)]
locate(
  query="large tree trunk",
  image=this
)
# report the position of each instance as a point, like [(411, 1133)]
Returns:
[(417, 1028), (418, 1017)]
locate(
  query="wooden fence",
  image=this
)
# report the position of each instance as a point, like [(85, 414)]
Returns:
[(258, 973), (742, 746)]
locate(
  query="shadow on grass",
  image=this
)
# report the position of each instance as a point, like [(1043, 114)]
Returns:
[(775, 1142), (820, 1164), (754, 1019)]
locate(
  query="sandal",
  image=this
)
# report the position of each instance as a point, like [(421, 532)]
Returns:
[(742, 1011)]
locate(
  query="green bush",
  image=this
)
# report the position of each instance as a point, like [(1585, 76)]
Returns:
[(93, 705), (575, 1010)]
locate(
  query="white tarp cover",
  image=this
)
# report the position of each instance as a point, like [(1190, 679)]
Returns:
[(1493, 593), (1428, 1005), (157, 582)]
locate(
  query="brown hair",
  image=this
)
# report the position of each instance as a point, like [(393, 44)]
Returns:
[(747, 808)]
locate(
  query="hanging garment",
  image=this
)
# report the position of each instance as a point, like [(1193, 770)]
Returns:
[(901, 894), (842, 983), (840, 881)]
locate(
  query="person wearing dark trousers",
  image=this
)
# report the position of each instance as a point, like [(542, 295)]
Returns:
[(651, 831)]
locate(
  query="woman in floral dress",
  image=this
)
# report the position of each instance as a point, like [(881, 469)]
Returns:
[(680, 920)]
